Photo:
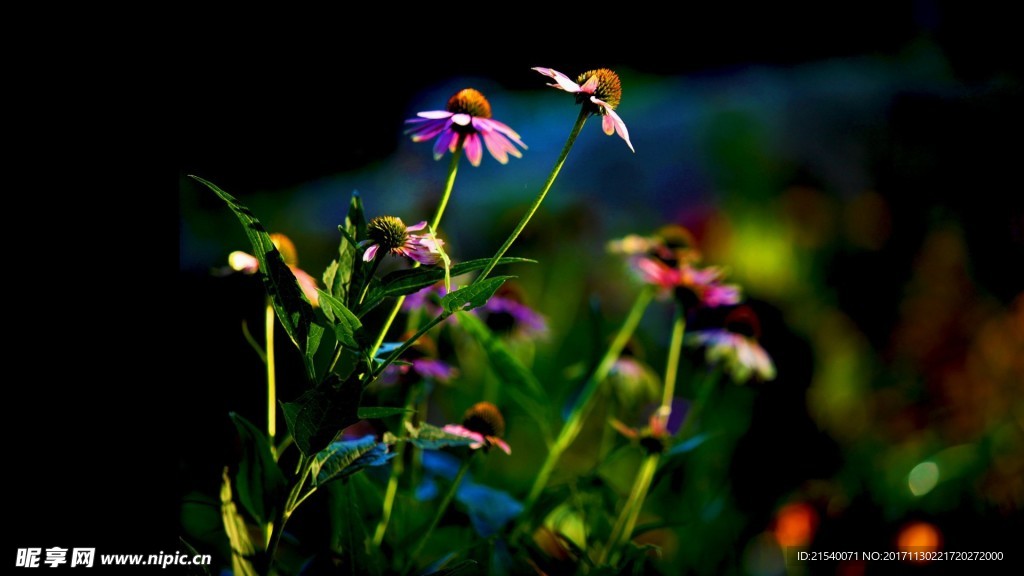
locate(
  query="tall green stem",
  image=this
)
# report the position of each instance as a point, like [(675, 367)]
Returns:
[(449, 183), (271, 379), (672, 365), (584, 402), (305, 464), (580, 120), (440, 512), (397, 467), (626, 522)]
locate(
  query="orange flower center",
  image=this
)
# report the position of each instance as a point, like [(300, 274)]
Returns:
[(470, 101), (484, 418), (609, 87)]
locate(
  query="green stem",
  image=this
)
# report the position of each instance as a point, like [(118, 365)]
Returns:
[(441, 509), (703, 394), (397, 468), (271, 378), (584, 403), (672, 365), (305, 464), (369, 278), (624, 524), (580, 120), (626, 521), (372, 375), (449, 183)]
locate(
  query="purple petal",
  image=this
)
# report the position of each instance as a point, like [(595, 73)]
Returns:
[(435, 114), (442, 143), (370, 253), (620, 126), (474, 151), (499, 127), (563, 81), (427, 131), (496, 146), (417, 227)]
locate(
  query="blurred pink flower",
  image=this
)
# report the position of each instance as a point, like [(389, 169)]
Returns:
[(468, 115), (248, 264), (599, 89), (484, 424), (735, 347)]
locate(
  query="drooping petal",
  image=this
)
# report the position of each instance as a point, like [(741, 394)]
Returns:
[(370, 253), (610, 120), (504, 129), (442, 143), (562, 81), (496, 146), (474, 151), (435, 114), (500, 444), (416, 227)]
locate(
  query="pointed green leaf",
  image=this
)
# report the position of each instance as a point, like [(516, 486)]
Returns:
[(405, 282), (522, 386), (369, 412), (429, 437), (291, 306), (346, 457), (243, 550), (346, 326), (316, 417), (338, 276), (474, 295), (260, 482)]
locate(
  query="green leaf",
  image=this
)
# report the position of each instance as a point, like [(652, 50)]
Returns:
[(291, 306), (368, 412), (520, 383), (429, 437), (346, 457), (474, 295), (338, 276), (352, 538), (243, 551), (405, 282), (316, 333), (316, 417), (347, 328), (260, 482)]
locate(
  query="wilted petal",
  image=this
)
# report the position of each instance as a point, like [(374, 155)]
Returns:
[(611, 120), (370, 253), (562, 81)]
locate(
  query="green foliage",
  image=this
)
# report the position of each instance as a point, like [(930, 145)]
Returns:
[(259, 480), (472, 296), (343, 458), (320, 413), (243, 549), (405, 282), (338, 276), (429, 437), (290, 305), (347, 328)]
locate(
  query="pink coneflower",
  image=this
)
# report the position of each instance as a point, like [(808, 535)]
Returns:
[(671, 244), (692, 285), (248, 264), (735, 347), (421, 362), (390, 234), (467, 116), (601, 91), (484, 424)]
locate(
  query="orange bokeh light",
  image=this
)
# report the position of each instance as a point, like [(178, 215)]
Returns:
[(795, 524), (919, 537)]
